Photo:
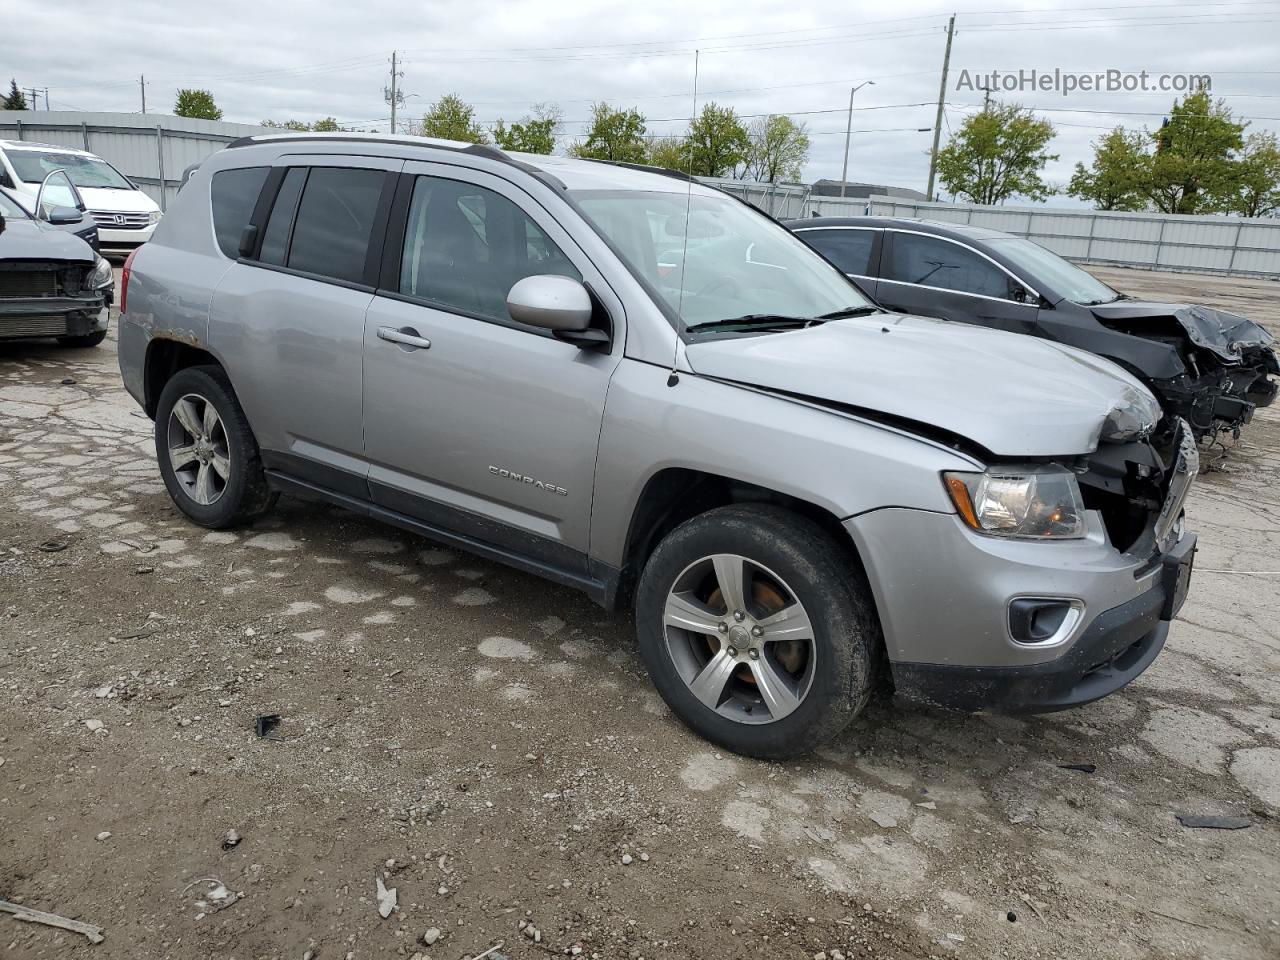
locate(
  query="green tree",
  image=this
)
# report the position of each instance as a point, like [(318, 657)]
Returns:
[(778, 149), (614, 135), (286, 125), (452, 118), (1258, 193), (997, 154), (326, 125), (1119, 175), (15, 100), (668, 153), (1194, 168), (198, 104), (717, 143), (534, 134)]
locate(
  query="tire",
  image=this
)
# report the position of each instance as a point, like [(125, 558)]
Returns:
[(788, 557), (88, 340), (194, 473)]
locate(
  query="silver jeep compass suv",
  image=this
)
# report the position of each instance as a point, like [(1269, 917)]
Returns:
[(638, 386)]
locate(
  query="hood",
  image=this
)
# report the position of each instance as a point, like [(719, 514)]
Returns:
[(28, 240), (1014, 395), (117, 201), (1225, 334)]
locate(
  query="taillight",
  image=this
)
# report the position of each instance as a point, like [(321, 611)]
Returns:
[(124, 278)]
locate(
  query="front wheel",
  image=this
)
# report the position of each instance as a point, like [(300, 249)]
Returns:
[(758, 630), (207, 453)]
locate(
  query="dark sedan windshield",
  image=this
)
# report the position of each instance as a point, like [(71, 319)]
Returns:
[(11, 208), (712, 259), (1042, 267)]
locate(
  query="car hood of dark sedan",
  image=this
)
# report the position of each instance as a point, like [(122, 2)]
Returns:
[(28, 240), (1226, 334), (1013, 395)]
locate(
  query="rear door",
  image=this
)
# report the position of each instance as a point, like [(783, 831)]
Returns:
[(288, 319), (490, 431), (936, 277)]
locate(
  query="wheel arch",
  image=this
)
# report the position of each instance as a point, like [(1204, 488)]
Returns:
[(165, 357), (674, 495)]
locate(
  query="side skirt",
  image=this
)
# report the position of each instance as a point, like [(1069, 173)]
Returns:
[(601, 589)]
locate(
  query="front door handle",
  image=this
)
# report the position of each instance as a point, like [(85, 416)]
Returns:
[(405, 336)]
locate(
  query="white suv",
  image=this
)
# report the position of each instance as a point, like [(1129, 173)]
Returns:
[(126, 217)]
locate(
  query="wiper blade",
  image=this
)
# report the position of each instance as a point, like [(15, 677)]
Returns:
[(751, 320), (861, 311)]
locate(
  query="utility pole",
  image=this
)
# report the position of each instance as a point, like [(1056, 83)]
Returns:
[(142, 85), (392, 94), (848, 130), (35, 99), (942, 96)]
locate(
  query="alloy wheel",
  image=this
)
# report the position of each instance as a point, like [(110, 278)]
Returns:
[(198, 453), (740, 639)]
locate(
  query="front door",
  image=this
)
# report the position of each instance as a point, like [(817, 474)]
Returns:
[(474, 422), (935, 277)]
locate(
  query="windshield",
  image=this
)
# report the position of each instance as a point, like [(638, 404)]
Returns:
[(11, 208), (738, 262), (34, 165), (1060, 275)]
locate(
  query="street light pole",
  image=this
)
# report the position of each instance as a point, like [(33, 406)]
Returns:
[(848, 131)]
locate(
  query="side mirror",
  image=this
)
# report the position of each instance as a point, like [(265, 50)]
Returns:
[(62, 216), (551, 302), (5, 179)]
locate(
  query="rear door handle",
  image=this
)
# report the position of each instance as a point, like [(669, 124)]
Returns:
[(405, 336)]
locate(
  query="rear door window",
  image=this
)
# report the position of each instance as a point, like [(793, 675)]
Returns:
[(334, 221), (930, 262), (465, 246), (850, 250), (233, 194)]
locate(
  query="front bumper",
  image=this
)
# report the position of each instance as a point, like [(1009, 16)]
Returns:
[(110, 239), (943, 593), (53, 317), (1112, 651)]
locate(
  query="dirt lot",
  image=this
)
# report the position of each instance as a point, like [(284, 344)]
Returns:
[(490, 745)]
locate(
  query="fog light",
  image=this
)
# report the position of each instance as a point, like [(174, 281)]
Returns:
[(1043, 622)]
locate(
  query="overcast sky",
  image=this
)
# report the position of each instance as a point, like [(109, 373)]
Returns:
[(284, 59)]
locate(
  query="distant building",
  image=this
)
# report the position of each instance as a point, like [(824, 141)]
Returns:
[(861, 191)]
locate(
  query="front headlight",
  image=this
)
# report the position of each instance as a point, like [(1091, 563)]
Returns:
[(153, 217), (100, 276), (1132, 418), (1033, 502)]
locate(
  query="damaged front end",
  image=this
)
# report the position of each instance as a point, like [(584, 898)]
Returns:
[(1227, 361), (50, 298)]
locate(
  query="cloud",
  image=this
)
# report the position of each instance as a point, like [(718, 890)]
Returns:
[(290, 59)]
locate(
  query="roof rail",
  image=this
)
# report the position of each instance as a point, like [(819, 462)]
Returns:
[(647, 168), (477, 149)]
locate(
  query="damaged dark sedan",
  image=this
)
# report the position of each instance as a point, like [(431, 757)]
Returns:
[(52, 284), (1206, 366)]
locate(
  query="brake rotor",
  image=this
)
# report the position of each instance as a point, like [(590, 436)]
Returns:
[(790, 653)]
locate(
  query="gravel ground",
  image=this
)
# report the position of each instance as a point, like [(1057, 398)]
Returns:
[(488, 746)]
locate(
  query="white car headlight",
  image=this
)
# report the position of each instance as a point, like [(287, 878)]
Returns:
[(100, 276), (1031, 502), (153, 217), (1133, 417)]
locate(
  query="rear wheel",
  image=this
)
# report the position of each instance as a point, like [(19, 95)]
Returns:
[(757, 630), (88, 340), (208, 456)]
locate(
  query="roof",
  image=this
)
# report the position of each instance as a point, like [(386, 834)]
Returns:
[(33, 145), (938, 227), (574, 173), (861, 191)]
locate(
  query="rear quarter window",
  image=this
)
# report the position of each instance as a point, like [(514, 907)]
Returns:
[(233, 194), (848, 249)]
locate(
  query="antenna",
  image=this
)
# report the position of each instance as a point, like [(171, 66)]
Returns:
[(674, 377)]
